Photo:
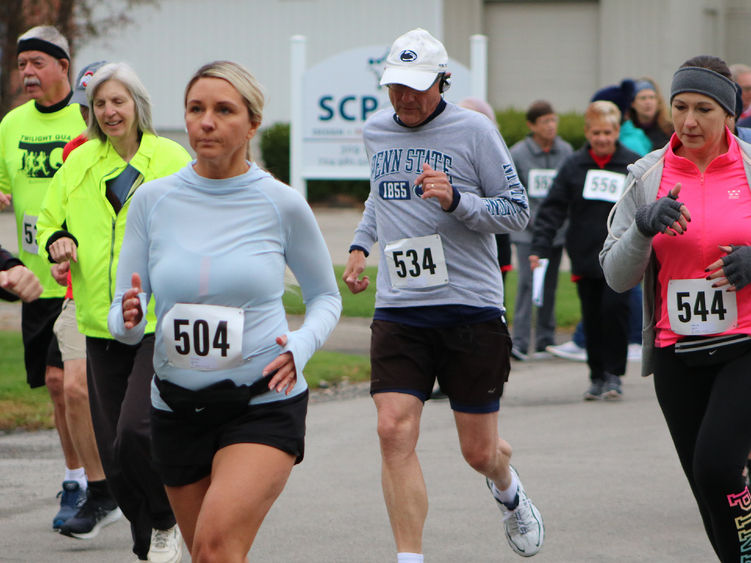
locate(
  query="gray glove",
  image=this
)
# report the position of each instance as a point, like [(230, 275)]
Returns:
[(737, 266), (657, 216)]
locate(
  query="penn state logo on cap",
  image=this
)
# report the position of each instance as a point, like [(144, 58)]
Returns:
[(408, 56), (85, 79)]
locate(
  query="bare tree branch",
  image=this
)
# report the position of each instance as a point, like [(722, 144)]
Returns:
[(78, 20)]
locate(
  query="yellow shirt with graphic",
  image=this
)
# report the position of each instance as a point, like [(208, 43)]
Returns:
[(31, 151)]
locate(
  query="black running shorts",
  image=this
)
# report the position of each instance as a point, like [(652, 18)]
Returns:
[(39, 342), (471, 362), (183, 451)]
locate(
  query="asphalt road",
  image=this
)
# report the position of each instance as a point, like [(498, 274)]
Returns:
[(604, 475)]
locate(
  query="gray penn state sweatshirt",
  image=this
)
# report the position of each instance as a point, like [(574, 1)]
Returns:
[(470, 150)]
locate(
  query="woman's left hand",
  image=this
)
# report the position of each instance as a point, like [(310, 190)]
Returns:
[(284, 365), (733, 270)]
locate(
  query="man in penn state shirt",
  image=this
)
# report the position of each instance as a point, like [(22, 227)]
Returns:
[(442, 184)]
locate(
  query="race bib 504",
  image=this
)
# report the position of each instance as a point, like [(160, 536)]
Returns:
[(203, 337)]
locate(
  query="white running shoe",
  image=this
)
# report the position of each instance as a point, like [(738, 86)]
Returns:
[(568, 351), (166, 546), (525, 530)]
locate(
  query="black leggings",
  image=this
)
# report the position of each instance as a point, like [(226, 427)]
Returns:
[(119, 378), (708, 412)]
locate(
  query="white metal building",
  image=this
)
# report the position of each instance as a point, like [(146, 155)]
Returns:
[(556, 49)]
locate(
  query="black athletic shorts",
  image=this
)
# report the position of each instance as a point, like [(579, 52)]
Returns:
[(183, 451), (40, 347), (471, 362)]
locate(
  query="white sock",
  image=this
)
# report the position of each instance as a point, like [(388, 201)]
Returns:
[(507, 496), (406, 557), (78, 475)]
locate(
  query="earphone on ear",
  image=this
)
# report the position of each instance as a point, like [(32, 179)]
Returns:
[(445, 83)]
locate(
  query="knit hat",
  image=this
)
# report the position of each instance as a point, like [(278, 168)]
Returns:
[(82, 80), (707, 82), (415, 60), (621, 95)]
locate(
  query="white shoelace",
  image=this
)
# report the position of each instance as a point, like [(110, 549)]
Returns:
[(519, 517), (161, 539)]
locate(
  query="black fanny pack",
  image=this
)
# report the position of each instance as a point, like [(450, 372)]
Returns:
[(217, 403), (709, 351)]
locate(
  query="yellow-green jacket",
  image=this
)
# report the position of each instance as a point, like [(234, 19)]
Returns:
[(77, 197)]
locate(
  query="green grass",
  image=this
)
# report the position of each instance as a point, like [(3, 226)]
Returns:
[(21, 407)]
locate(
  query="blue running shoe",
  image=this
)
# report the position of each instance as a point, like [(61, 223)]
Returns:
[(70, 497)]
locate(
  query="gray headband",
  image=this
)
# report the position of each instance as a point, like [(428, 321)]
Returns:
[(704, 81)]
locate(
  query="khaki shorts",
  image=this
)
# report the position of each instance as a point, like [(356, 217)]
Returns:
[(72, 343)]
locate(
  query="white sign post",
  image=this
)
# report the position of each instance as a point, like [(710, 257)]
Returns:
[(332, 100)]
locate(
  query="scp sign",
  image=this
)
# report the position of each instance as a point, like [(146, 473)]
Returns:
[(348, 108), (338, 95)]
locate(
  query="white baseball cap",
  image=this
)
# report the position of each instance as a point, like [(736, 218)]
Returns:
[(415, 59)]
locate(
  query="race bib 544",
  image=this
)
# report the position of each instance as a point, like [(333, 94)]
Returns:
[(697, 308)]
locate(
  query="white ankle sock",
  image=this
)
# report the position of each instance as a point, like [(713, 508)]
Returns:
[(507, 496), (78, 475), (406, 557)]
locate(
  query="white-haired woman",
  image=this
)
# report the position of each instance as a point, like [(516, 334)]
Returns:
[(211, 244), (83, 220)]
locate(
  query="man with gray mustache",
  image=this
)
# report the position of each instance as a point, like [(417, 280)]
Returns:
[(32, 137)]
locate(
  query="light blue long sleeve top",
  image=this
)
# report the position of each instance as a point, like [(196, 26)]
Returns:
[(226, 242)]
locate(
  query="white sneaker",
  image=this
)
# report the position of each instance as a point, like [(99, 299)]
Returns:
[(568, 351), (166, 546), (525, 530), (634, 352)]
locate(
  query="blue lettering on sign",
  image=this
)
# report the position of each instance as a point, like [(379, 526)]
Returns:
[(394, 190), (369, 105), (323, 104), (349, 108), (343, 108)]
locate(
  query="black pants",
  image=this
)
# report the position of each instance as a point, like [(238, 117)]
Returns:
[(605, 316), (707, 411), (119, 378)]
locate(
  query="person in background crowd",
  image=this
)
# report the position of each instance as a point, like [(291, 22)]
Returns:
[(742, 76), (650, 114), (82, 221), (623, 95), (586, 187), (211, 243), (683, 226), (31, 139), (439, 293), (502, 240), (632, 138), (537, 157)]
